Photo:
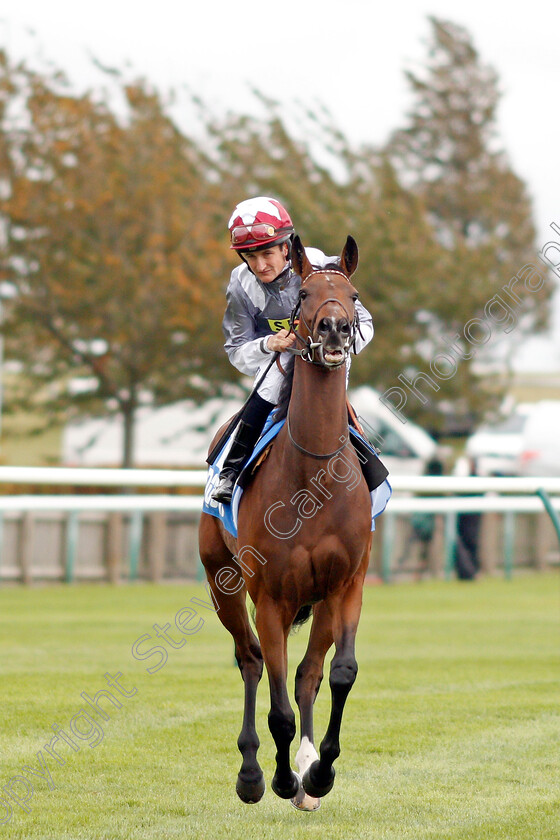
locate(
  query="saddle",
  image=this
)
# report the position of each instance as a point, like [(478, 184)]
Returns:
[(375, 472)]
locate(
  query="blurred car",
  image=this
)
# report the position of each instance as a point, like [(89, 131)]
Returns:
[(540, 451), (179, 435), (495, 447), (405, 448)]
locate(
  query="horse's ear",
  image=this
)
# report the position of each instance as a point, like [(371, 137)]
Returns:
[(300, 263), (349, 256)]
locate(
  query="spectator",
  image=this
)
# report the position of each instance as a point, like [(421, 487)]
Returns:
[(467, 561)]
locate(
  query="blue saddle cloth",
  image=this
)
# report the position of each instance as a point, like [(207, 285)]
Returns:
[(228, 513)]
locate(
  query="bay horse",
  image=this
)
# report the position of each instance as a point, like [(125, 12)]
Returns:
[(304, 538)]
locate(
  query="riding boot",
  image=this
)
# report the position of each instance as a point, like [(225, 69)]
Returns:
[(247, 434), (375, 472)]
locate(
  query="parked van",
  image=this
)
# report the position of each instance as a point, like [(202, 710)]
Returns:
[(540, 452), (405, 448)]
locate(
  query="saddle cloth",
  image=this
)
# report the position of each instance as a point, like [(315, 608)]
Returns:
[(228, 513)]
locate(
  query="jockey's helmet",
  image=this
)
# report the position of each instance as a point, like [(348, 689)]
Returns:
[(258, 223)]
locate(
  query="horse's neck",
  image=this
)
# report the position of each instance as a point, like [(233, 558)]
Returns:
[(317, 412)]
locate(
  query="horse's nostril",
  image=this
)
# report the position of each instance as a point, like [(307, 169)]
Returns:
[(324, 325)]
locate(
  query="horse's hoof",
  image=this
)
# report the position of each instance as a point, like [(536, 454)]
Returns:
[(250, 792), (313, 786), (303, 802), (289, 792)]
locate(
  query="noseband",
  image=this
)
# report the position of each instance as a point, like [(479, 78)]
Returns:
[(313, 351)]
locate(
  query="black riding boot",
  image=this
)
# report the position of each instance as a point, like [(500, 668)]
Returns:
[(246, 435)]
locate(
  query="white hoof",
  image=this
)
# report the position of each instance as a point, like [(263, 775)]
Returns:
[(305, 757), (303, 802)]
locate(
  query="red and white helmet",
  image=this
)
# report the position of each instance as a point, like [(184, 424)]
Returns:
[(258, 223)]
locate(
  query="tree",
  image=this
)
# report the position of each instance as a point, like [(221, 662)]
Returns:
[(477, 207), (110, 252)]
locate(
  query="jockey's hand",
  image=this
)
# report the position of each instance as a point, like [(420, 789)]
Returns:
[(280, 341)]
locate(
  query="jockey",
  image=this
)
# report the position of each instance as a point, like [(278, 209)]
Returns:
[(261, 295)]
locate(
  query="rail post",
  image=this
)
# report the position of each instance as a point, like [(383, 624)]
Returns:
[(509, 542), (135, 542), (388, 545), (71, 541), (450, 537)]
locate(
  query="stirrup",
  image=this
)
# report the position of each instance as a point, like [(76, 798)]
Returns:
[(224, 490)]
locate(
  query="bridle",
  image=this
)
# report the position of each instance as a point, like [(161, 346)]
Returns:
[(313, 351)]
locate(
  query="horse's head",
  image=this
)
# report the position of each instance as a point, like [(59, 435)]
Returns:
[(326, 308)]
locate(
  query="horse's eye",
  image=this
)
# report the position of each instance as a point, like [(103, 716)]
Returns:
[(302, 294), (355, 296)]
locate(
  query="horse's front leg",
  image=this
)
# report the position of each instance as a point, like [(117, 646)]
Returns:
[(232, 612), (308, 680), (345, 612), (273, 630), (250, 780)]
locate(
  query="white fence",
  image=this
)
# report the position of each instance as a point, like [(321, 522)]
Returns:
[(135, 524), (100, 477)]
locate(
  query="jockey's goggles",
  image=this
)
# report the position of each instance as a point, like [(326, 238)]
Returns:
[(259, 232)]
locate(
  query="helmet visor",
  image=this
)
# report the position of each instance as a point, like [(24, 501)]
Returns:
[(257, 233)]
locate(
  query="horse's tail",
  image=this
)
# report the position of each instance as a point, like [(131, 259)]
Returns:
[(304, 614)]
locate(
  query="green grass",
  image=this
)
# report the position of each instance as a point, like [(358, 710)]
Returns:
[(451, 731)]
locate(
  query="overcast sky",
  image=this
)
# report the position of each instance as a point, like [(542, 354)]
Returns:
[(348, 56)]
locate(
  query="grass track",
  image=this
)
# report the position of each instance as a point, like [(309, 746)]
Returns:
[(452, 731)]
